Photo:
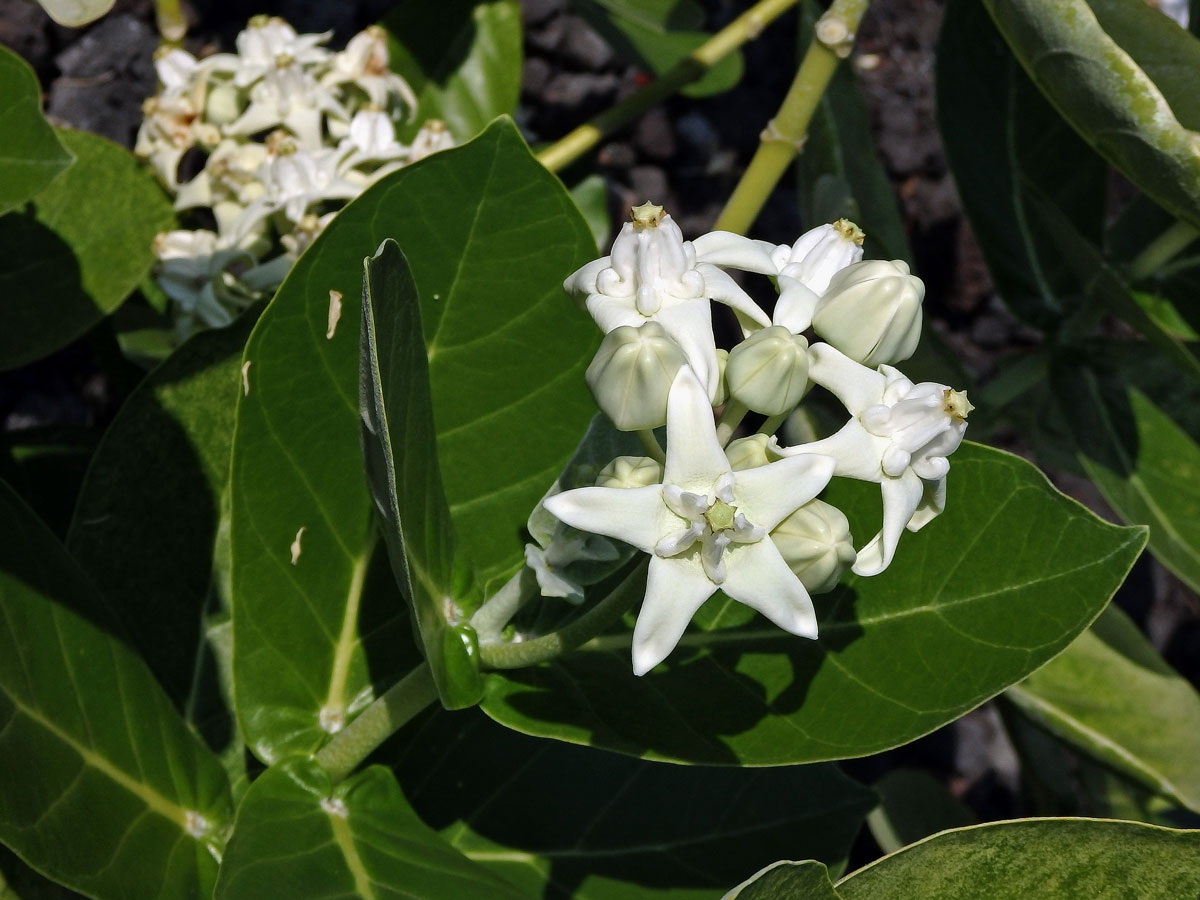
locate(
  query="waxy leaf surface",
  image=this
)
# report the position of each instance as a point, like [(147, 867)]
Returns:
[(632, 828), (299, 836), (1067, 859), (1111, 695), (981, 597), (31, 155), (785, 880), (78, 249), (489, 236), (151, 526), (102, 786), (461, 58)]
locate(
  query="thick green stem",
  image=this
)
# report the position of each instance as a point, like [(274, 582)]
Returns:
[(171, 22), (517, 655), (784, 135), (771, 424), (744, 28), (1162, 250), (489, 620), (731, 418), (651, 445), (379, 721)]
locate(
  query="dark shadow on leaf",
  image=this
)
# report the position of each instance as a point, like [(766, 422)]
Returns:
[(1095, 404)]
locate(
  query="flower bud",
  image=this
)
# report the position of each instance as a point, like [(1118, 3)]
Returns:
[(630, 472), (222, 105), (750, 452), (815, 543), (872, 312), (632, 374), (768, 371)]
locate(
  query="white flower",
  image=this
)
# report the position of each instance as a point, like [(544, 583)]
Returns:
[(652, 275), (432, 137), (705, 527), (566, 546), (192, 272), (372, 137), (899, 436), (268, 45), (365, 63)]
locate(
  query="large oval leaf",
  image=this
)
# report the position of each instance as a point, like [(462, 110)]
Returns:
[(31, 155), (1067, 859), (1111, 695), (1001, 136), (489, 235), (157, 489), (1100, 89), (632, 828), (298, 836), (102, 786), (462, 59), (78, 250), (989, 591)]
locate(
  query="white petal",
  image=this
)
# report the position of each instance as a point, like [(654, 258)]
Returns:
[(582, 281), (932, 505), (613, 312), (712, 556), (724, 248), (632, 515), (550, 583), (695, 461), (795, 306), (679, 541), (769, 494), (901, 496), (858, 387), (720, 287), (855, 451), (689, 322), (758, 576), (675, 589)]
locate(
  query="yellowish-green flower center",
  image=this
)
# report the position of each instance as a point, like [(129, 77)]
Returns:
[(957, 405), (647, 215), (720, 515), (850, 231)]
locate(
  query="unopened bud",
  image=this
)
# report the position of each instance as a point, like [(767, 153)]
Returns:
[(872, 312), (632, 374), (815, 543), (630, 472), (750, 452), (768, 371)]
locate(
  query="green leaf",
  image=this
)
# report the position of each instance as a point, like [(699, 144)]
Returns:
[(1114, 104), (31, 156), (1001, 136), (787, 881), (400, 446), (914, 805), (591, 196), (102, 786), (840, 172), (46, 467), (19, 882), (981, 597), (1112, 696), (461, 58), (1067, 859), (1147, 467), (157, 489), (631, 828), (1101, 284), (489, 235), (299, 836), (659, 34), (77, 251)]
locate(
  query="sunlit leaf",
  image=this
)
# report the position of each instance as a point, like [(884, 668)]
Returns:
[(31, 155)]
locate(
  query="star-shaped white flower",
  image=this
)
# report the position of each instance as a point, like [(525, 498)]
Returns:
[(899, 436), (652, 275), (705, 527)]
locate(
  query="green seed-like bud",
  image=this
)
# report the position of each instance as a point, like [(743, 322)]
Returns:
[(815, 543), (630, 472), (872, 312), (750, 452), (769, 370), (222, 105), (632, 374)]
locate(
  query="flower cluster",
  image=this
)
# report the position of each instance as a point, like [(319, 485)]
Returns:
[(743, 516), (290, 131)]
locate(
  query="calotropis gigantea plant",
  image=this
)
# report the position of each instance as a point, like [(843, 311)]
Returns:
[(422, 580)]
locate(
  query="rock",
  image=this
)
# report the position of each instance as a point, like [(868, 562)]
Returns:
[(653, 135), (583, 47), (534, 12), (571, 88), (535, 74)]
